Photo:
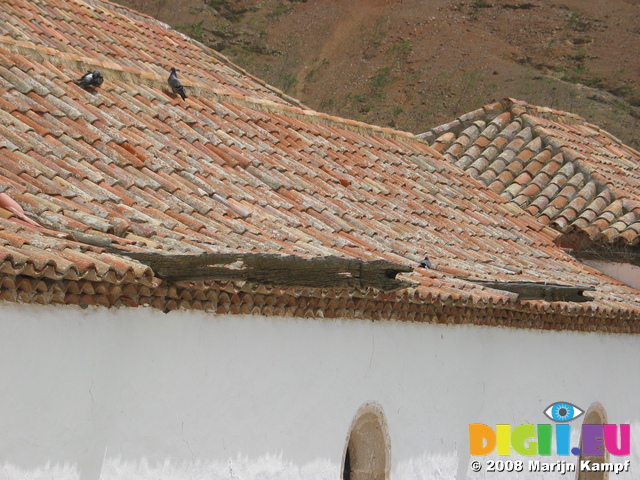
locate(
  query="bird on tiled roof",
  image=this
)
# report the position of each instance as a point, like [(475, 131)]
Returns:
[(174, 83), (426, 263), (91, 79)]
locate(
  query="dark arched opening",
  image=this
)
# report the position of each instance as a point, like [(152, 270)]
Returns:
[(596, 415), (367, 453)]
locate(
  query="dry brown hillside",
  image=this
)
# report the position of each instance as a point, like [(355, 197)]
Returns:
[(414, 64)]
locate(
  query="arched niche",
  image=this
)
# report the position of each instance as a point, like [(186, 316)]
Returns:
[(367, 453), (596, 415)]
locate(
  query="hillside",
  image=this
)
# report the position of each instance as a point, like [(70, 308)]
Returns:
[(414, 64)]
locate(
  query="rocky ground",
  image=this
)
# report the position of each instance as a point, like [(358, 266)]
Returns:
[(414, 64)]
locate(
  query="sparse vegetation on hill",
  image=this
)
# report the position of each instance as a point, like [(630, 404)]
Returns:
[(412, 64)]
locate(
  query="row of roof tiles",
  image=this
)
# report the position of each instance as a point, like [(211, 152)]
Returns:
[(240, 298)]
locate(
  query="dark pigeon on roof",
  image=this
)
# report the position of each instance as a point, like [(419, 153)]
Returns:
[(426, 263), (174, 83), (91, 80)]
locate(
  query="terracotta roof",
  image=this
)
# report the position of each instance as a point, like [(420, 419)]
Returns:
[(121, 42), (570, 174), (239, 168)]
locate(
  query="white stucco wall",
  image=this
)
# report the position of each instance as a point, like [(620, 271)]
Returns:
[(135, 393), (623, 272)]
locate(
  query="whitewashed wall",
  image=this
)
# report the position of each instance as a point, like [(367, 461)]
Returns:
[(623, 272), (138, 394)]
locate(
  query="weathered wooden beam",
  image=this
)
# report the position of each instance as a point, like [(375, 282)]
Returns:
[(541, 291), (287, 271)]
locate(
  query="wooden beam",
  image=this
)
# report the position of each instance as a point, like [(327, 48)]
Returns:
[(286, 271), (541, 291)]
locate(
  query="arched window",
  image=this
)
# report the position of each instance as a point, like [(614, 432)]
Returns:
[(367, 454), (596, 415)]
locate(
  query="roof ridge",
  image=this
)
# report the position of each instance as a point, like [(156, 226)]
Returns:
[(124, 10), (549, 113), (517, 107), (486, 113), (562, 116), (570, 155), (579, 161), (139, 77)]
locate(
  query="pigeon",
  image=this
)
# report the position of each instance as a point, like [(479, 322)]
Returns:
[(174, 83), (91, 79), (426, 263)]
